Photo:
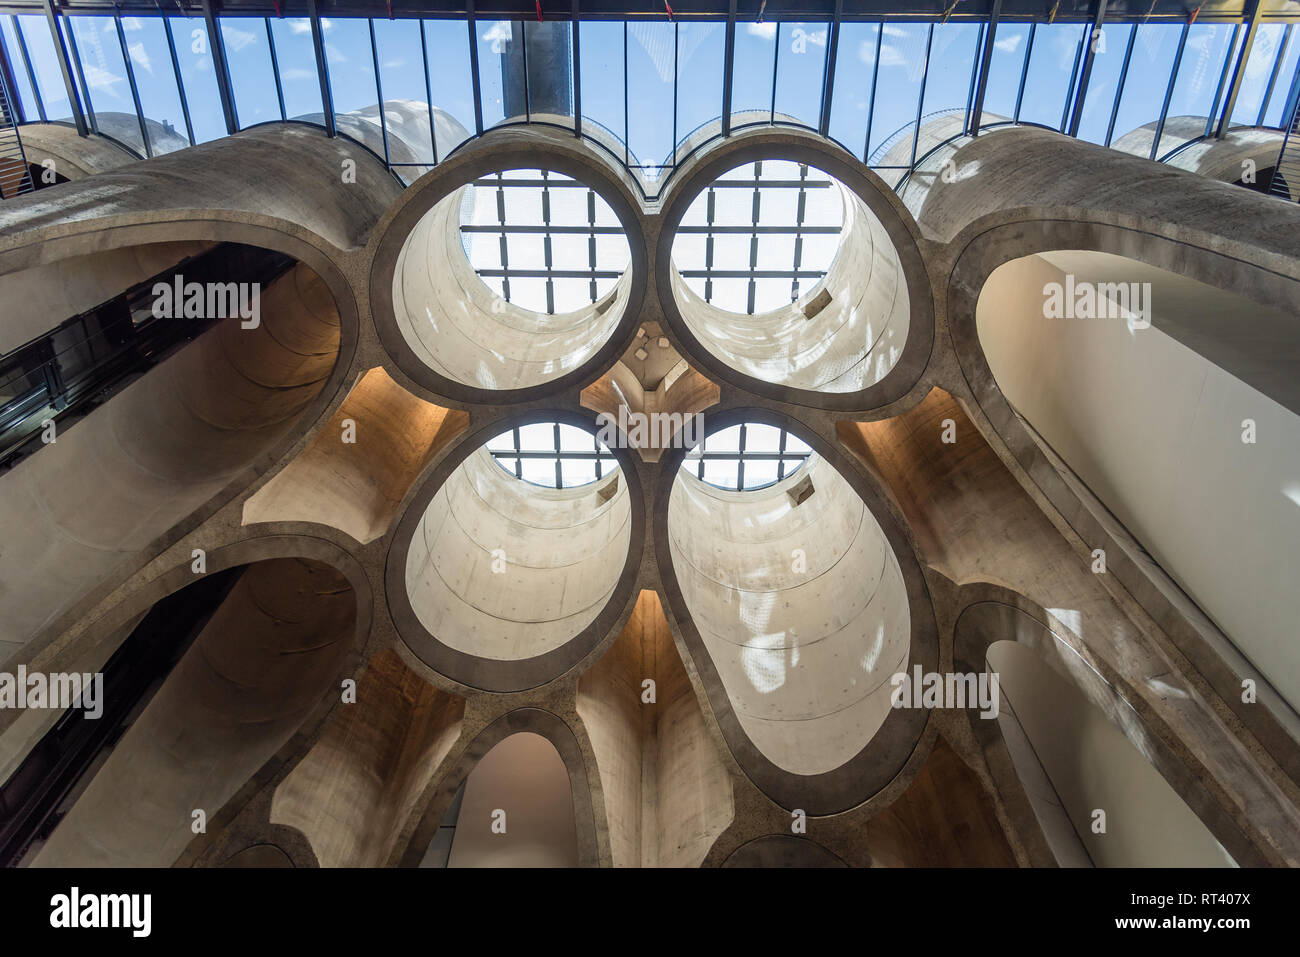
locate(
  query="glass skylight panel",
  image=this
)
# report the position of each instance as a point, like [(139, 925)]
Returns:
[(552, 454), (1277, 100), (801, 70), (1154, 49), (296, 59), (700, 54), (651, 70), (746, 457), (194, 56), (146, 44), (1011, 44), (751, 71), (1263, 54), (854, 78), (251, 78), (450, 83), (1052, 66), (902, 67), (108, 92), (1103, 84), (26, 96), (952, 59)]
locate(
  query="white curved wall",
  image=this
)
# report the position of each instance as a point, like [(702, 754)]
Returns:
[(564, 552), (805, 656), (848, 346), (1155, 431), (467, 333)]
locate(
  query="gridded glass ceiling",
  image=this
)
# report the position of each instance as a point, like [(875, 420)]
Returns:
[(650, 90), (746, 457), (552, 454), (542, 240), (760, 236)]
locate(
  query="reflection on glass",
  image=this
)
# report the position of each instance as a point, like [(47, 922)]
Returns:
[(1103, 84), (700, 51), (902, 66), (1200, 72), (108, 94), (500, 71), (602, 77), (651, 68), (948, 81), (1052, 65), (1275, 113), (1154, 49), (446, 44), (1263, 54), (160, 100), (854, 75), (751, 72), (252, 80), (1006, 68), (549, 52), (31, 109), (198, 77)]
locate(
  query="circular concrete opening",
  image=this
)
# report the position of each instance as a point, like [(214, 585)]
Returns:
[(783, 274), (512, 280), (799, 601), (501, 567)]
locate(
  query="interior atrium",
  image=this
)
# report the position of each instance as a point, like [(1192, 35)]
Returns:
[(805, 433)]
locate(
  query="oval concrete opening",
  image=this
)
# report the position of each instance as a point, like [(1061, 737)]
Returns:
[(512, 280), (798, 598), (786, 276)]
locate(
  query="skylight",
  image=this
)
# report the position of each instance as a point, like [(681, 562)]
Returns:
[(552, 454), (746, 457), (760, 236), (542, 241)]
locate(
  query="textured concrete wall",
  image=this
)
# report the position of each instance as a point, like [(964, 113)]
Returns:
[(136, 466), (802, 609), (667, 794), (262, 663), (563, 552)]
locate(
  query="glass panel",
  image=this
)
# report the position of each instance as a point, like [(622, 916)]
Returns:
[(248, 58), (852, 92), (902, 63), (151, 60), (1005, 67), (1148, 78), (296, 56), (948, 82), (406, 110), (26, 98), (1103, 84), (352, 68), (1051, 67), (602, 79), (1263, 54), (1199, 73), (447, 45), (651, 67), (751, 73), (800, 71), (193, 52), (109, 93), (500, 59), (45, 64), (701, 48), (1286, 74), (549, 49)]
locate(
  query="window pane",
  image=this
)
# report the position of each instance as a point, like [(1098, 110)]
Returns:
[(1103, 84), (249, 59), (902, 63), (760, 472), (45, 64), (800, 70), (751, 73), (549, 50), (109, 92), (447, 45), (1010, 45), (1051, 68), (700, 51), (500, 59), (1263, 54), (1148, 78), (651, 66), (351, 65), (952, 58), (193, 52), (1277, 103), (296, 56), (602, 78), (851, 97), (156, 80), (1199, 72), (25, 95), (406, 110)]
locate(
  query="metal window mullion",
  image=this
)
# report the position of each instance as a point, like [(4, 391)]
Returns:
[(379, 92), (275, 69), (800, 212), (1272, 78), (1239, 72), (755, 211), (920, 98), (676, 54), (559, 474), (576, 42), (1024, 71), (728, 67), (470, 24), (627, 152), (1119, 86), (1085, 74), (176, 72), (221, 68), (1069, 91), (523, 55), (1223, 80), (31, 73), (976, 115), (828, 69), (740, 461), (52, 17), (591, 240), (974, 71), (81, 78), (428, 93), (130, 82), (504, 247), (875, 80), (322, 68), (1169, 91), (547, 258), (776, 62), (709, 208)]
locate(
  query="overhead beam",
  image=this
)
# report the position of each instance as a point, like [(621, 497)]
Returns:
[(986, 60), (221, 69), (323, 68)]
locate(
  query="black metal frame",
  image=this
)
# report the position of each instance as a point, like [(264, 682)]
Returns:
[(697, 456), (599, 454)]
